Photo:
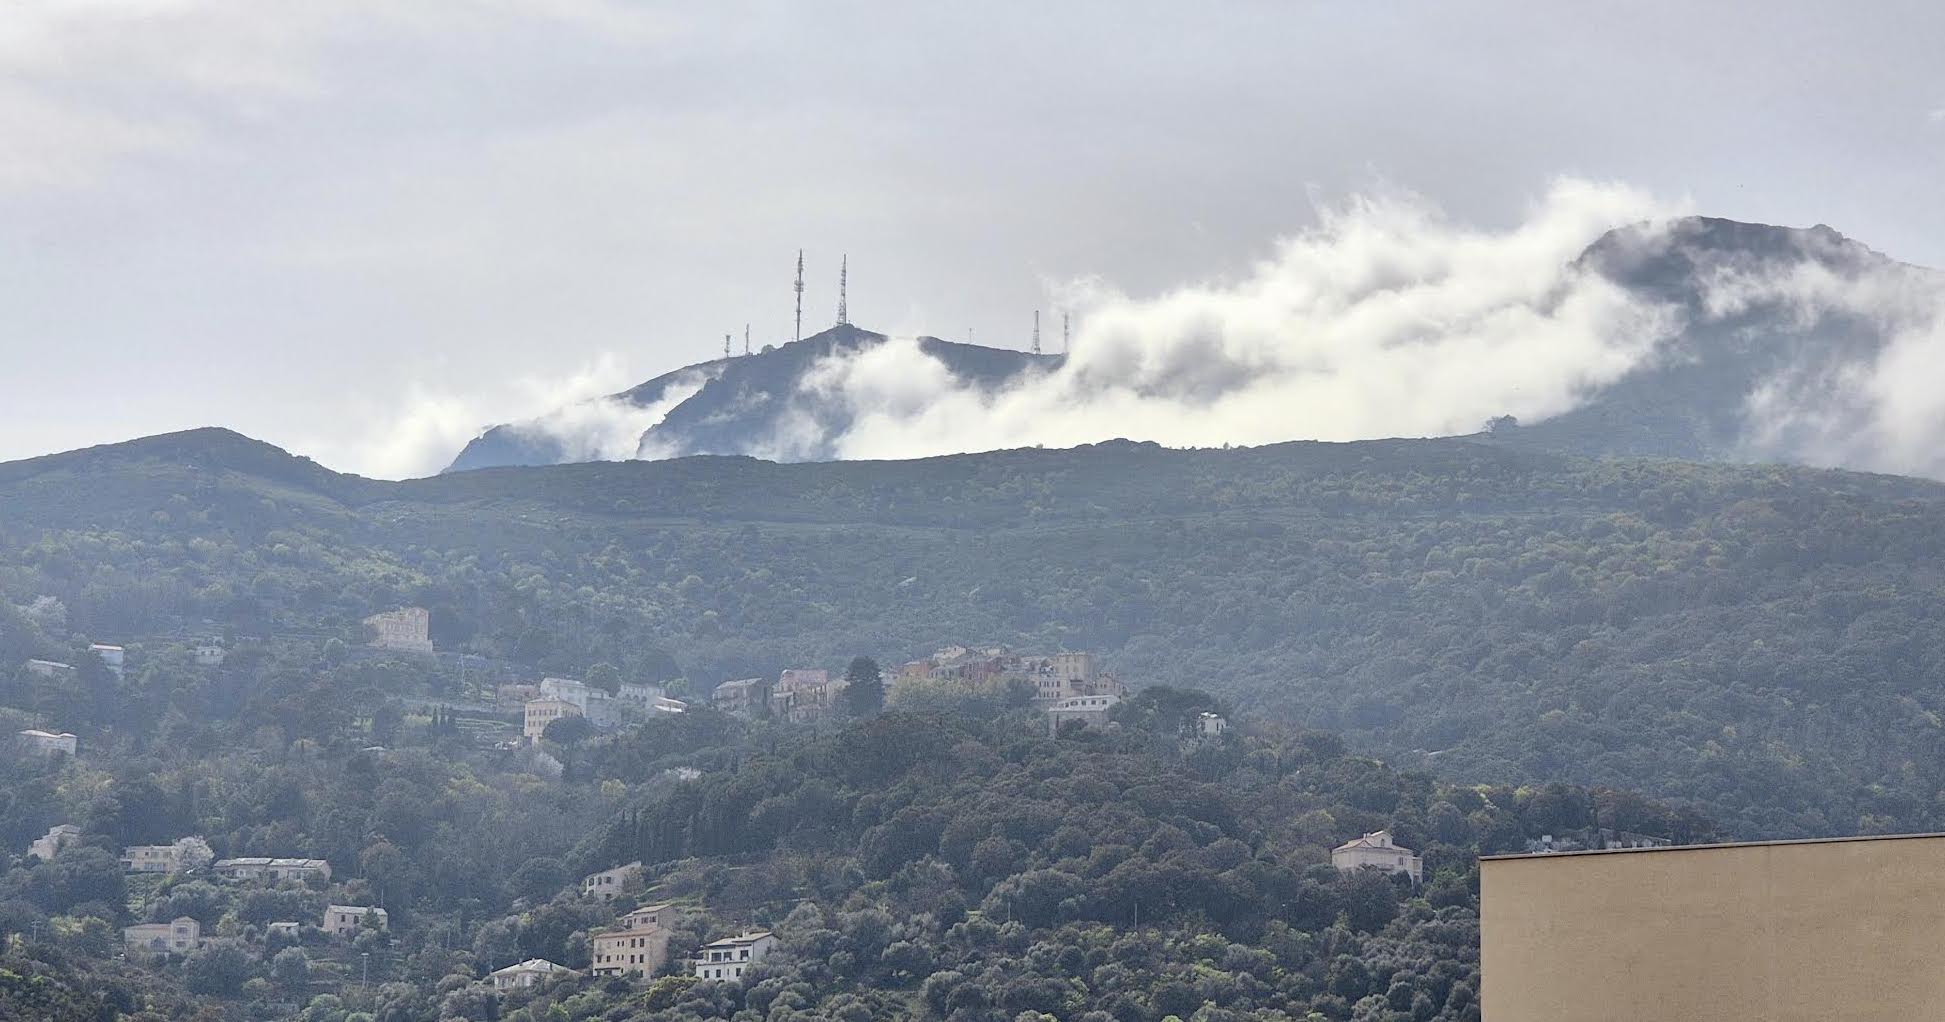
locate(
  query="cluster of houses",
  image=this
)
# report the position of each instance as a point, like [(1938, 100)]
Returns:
[(801, 695), (637, 945), (555, 698)]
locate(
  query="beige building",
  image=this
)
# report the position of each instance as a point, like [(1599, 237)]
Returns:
[(407, 629), (532, 972), (637, 946), (610, 884), (1794, 931), (260, 868), (1377, 851), (153, 858), (542, 712), (59, 836), (728, 959), (347, 920), (739, 697), (804, 695), (178, 936), (48, 743)]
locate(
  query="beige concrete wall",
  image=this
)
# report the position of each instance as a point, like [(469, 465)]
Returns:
[(1809, 932)]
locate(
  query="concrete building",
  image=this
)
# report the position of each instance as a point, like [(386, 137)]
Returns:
[(532, 972), (610, 884), (209, 654), (259, 868), (1377, 851), (637, 946), (407, 629), (114, 657), (1090, 711), (177, 936), (153, 858), (544, 711), (1791, 931), (47, 668), (288, 928), (738, 697), (59, 836), (728, 959), (47, 743), (1210, 725), (347, 920), (802, 696)]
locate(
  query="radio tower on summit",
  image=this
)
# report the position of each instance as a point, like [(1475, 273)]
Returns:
[(1036, 331), (843, 275), (1066, 321), (800, 296)]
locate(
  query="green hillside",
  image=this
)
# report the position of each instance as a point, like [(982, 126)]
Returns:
[(1761, 642)]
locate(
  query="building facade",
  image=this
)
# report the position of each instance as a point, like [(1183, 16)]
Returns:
[(407, 629), (738, 697), (1087, 711), (532, 972), (48, 743), (152, 858), (1377, 851), (1791, 931), (637, 946), (59, 836), (804, 696), (538, 713), (610, 884), (177, 936), (728, 959), (259, 868), (347, 920)]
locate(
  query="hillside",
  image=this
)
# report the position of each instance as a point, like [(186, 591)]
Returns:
[(750, 404), (1760, 641)]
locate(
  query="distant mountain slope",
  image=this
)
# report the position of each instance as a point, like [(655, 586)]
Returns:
[(1760, 641), (752, 404), (1692, 400)]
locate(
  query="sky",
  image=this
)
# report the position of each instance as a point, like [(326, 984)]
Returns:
[(364, 230)]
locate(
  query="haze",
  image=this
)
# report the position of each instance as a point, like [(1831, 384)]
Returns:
[(363, 233)]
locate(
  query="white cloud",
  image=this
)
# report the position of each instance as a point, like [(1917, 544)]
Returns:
[(1386, 320)]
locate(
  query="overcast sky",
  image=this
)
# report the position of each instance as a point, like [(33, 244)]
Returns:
[(320, 223)]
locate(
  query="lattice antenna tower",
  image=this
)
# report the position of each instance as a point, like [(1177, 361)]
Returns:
[(746, 338), (725, 345), (1036, 331), (800, 296), (1066, 324), (843, 287)]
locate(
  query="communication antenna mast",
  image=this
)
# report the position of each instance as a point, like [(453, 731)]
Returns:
[(1066, 321), (746, 338), (1036, 331), (725, 345), (843, 284), (800, 296)]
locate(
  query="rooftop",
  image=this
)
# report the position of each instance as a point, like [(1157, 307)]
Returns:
[(740, 939), (1543, 856)]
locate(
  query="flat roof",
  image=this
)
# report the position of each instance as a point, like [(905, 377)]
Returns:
[(1522, 856)]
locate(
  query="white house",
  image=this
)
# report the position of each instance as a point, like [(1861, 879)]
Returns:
[(728, 959), (48, 743), (209, 654), (610, 883), (186, 854), (1376, 851), (177, 936), (57, 837), (538, 713), (1210, 725), (260, 868), (1091, 711), (531, 972), (114, 656), (347, 920)]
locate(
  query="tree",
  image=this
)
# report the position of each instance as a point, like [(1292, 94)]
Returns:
[(220, 969), (572, 730), (605, 677), (864, 688), (291, 969)]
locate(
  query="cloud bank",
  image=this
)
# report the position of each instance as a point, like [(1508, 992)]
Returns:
[(1385, 320)]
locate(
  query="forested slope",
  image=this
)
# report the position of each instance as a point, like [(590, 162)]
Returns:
[(1762, 641)]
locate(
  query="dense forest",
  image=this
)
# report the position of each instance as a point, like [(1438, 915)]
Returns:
[(1761, 643)]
